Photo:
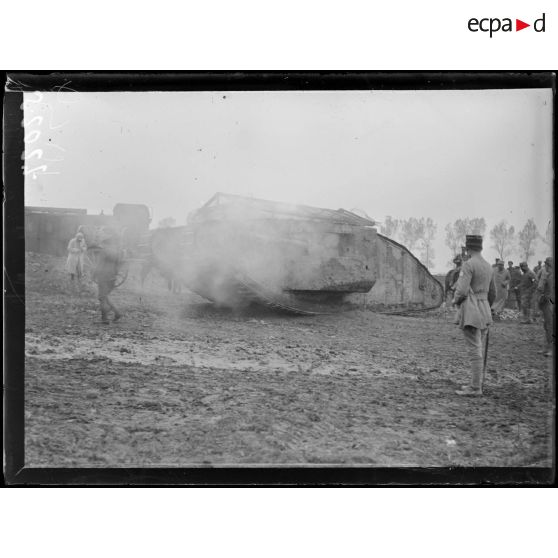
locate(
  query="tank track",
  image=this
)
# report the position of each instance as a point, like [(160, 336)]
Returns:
[(250, 292)]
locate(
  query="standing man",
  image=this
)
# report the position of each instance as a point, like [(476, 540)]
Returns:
[(502, 280), (526, 288), (535, 309), (545, 289), (452, 276), (106, 270), (515, 274), (76, 252), (474, 294)]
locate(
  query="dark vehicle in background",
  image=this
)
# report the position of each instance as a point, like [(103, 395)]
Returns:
[(49, 229)]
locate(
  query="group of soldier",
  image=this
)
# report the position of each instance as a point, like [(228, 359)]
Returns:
[(517, 285), (480, 291)]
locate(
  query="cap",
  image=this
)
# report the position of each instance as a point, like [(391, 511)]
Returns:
[(473, 241), (549, 261), (523, 264)]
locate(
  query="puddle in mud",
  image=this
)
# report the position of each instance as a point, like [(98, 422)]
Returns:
[(182, 353), (162, 353)]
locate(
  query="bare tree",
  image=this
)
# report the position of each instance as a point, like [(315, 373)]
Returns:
[(456, 232), (412, 232), (167, 222), (429, 233), (528, 238), (390, 227), (503, 238), (547, 238), (453, 240)]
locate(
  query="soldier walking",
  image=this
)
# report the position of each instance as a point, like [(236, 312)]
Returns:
[(526, 288), (545, 290), (105, 273), (474, 294)]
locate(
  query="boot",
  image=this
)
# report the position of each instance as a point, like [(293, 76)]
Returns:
[(117, 316), (104, 319), (477, 370)]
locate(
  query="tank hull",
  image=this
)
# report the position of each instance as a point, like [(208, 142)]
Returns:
[(239, 251)]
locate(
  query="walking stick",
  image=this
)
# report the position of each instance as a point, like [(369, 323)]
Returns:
[(485, 353)]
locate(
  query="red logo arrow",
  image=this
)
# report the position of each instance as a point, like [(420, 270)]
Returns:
[(519, 25)]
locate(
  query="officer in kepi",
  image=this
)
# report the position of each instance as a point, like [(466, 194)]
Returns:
[(106, 270), (474, 295)]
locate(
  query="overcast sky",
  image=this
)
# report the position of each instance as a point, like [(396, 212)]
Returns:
[(439, 154)]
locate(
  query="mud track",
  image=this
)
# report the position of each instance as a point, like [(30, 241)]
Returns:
[(178, 382)]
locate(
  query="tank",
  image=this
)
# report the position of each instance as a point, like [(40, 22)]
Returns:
[(238, 251)]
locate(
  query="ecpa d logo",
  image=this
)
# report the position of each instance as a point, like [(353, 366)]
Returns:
[(493, 25)]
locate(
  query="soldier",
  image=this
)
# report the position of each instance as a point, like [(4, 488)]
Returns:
[(514, 295), (526, 288), (76, 252), (104, 275), (474, 294), (545, 289), (502, 280), (452, 276), (535, 310)]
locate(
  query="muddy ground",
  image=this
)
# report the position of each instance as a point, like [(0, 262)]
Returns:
[(178, 382)]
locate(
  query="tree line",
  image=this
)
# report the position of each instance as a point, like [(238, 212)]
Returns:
[(507, 241), (414, 233), (418, 234)]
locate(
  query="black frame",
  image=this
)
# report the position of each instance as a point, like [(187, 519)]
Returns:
[(14, 278)]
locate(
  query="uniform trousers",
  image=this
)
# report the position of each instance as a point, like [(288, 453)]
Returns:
[(105, 288), (527, 304), (475, 339), (514, 297), (501, 298)]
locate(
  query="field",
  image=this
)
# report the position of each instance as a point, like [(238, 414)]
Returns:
[(178, 382)]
